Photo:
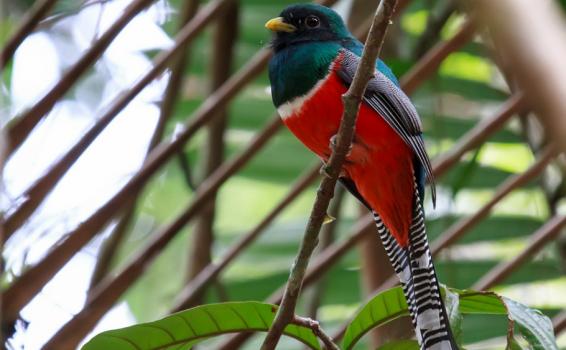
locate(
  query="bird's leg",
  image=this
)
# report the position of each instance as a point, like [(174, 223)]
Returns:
[(350, 156)]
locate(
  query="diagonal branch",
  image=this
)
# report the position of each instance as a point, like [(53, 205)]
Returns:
[(351, 101), (29, 23), (35, 194), (111, 244), (21, 126)]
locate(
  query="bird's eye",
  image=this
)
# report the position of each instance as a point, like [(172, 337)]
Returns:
[(312, 21)]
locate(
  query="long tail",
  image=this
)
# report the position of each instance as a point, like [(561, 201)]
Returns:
[(413, 265)]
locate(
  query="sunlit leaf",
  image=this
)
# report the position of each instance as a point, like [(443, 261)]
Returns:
[(187, 328), (391, 304)]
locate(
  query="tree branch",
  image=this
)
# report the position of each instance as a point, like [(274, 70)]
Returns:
[(351, 101), (21, 126), (317, 330), (541, 71), (28, 24)]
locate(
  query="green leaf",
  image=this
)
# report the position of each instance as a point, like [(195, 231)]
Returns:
[(535, 327), (187, 328), (384, 307), (391, 304), (400, 345), (452, 303)]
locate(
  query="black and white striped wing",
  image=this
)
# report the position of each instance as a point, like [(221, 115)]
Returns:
[(395, 107)]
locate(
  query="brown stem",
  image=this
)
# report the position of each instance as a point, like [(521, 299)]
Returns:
[(456, 231), (559, 322), (435, 22), (188, 296), (110, 246), (30, 282), (110, 289), (537, 241), (35, 194), (21, 126), (351, 101), (326, 239), (430, 62), (112, 243), (225, 36), (30, 21), (540, 73), (323, 262), (317, 330), (479, 134)]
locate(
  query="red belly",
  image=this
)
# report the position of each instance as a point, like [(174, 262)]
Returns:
[(380, 163)]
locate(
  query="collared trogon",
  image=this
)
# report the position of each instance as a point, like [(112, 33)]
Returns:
[(314, 63)]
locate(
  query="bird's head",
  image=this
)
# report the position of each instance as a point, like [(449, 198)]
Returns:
[(306, 23)]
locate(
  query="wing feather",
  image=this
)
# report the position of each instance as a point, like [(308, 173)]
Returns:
[(391, 103)]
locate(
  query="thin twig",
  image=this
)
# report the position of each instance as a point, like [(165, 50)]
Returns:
[(225, 36), (317, 330), (28, 24), (351, 101), (326, 239)]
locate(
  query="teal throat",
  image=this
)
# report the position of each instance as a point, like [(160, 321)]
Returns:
[(296, 69)]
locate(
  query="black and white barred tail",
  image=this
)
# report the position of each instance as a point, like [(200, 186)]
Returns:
[(415, 269)]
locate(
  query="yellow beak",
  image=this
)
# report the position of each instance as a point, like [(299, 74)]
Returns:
[(277, 25)]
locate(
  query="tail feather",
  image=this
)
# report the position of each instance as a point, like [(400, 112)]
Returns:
[(413, 264)]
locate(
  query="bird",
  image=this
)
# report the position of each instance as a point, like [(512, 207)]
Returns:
[(386, 168)]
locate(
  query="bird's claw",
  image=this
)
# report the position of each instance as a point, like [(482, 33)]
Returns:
[(324, 171), (334, 142)]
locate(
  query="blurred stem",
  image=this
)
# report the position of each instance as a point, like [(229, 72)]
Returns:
[(112, 243), (535, 136), (39, 10), (327, 236), (225, 36), (435, 22)]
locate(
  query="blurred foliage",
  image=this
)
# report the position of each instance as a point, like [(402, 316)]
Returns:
[(466, 89)]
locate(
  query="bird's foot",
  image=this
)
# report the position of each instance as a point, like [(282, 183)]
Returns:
[(334, 142), (325, 171)]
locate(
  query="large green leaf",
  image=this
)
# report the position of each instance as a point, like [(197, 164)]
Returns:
[(384, 307), (187, 328), (391, 304)]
